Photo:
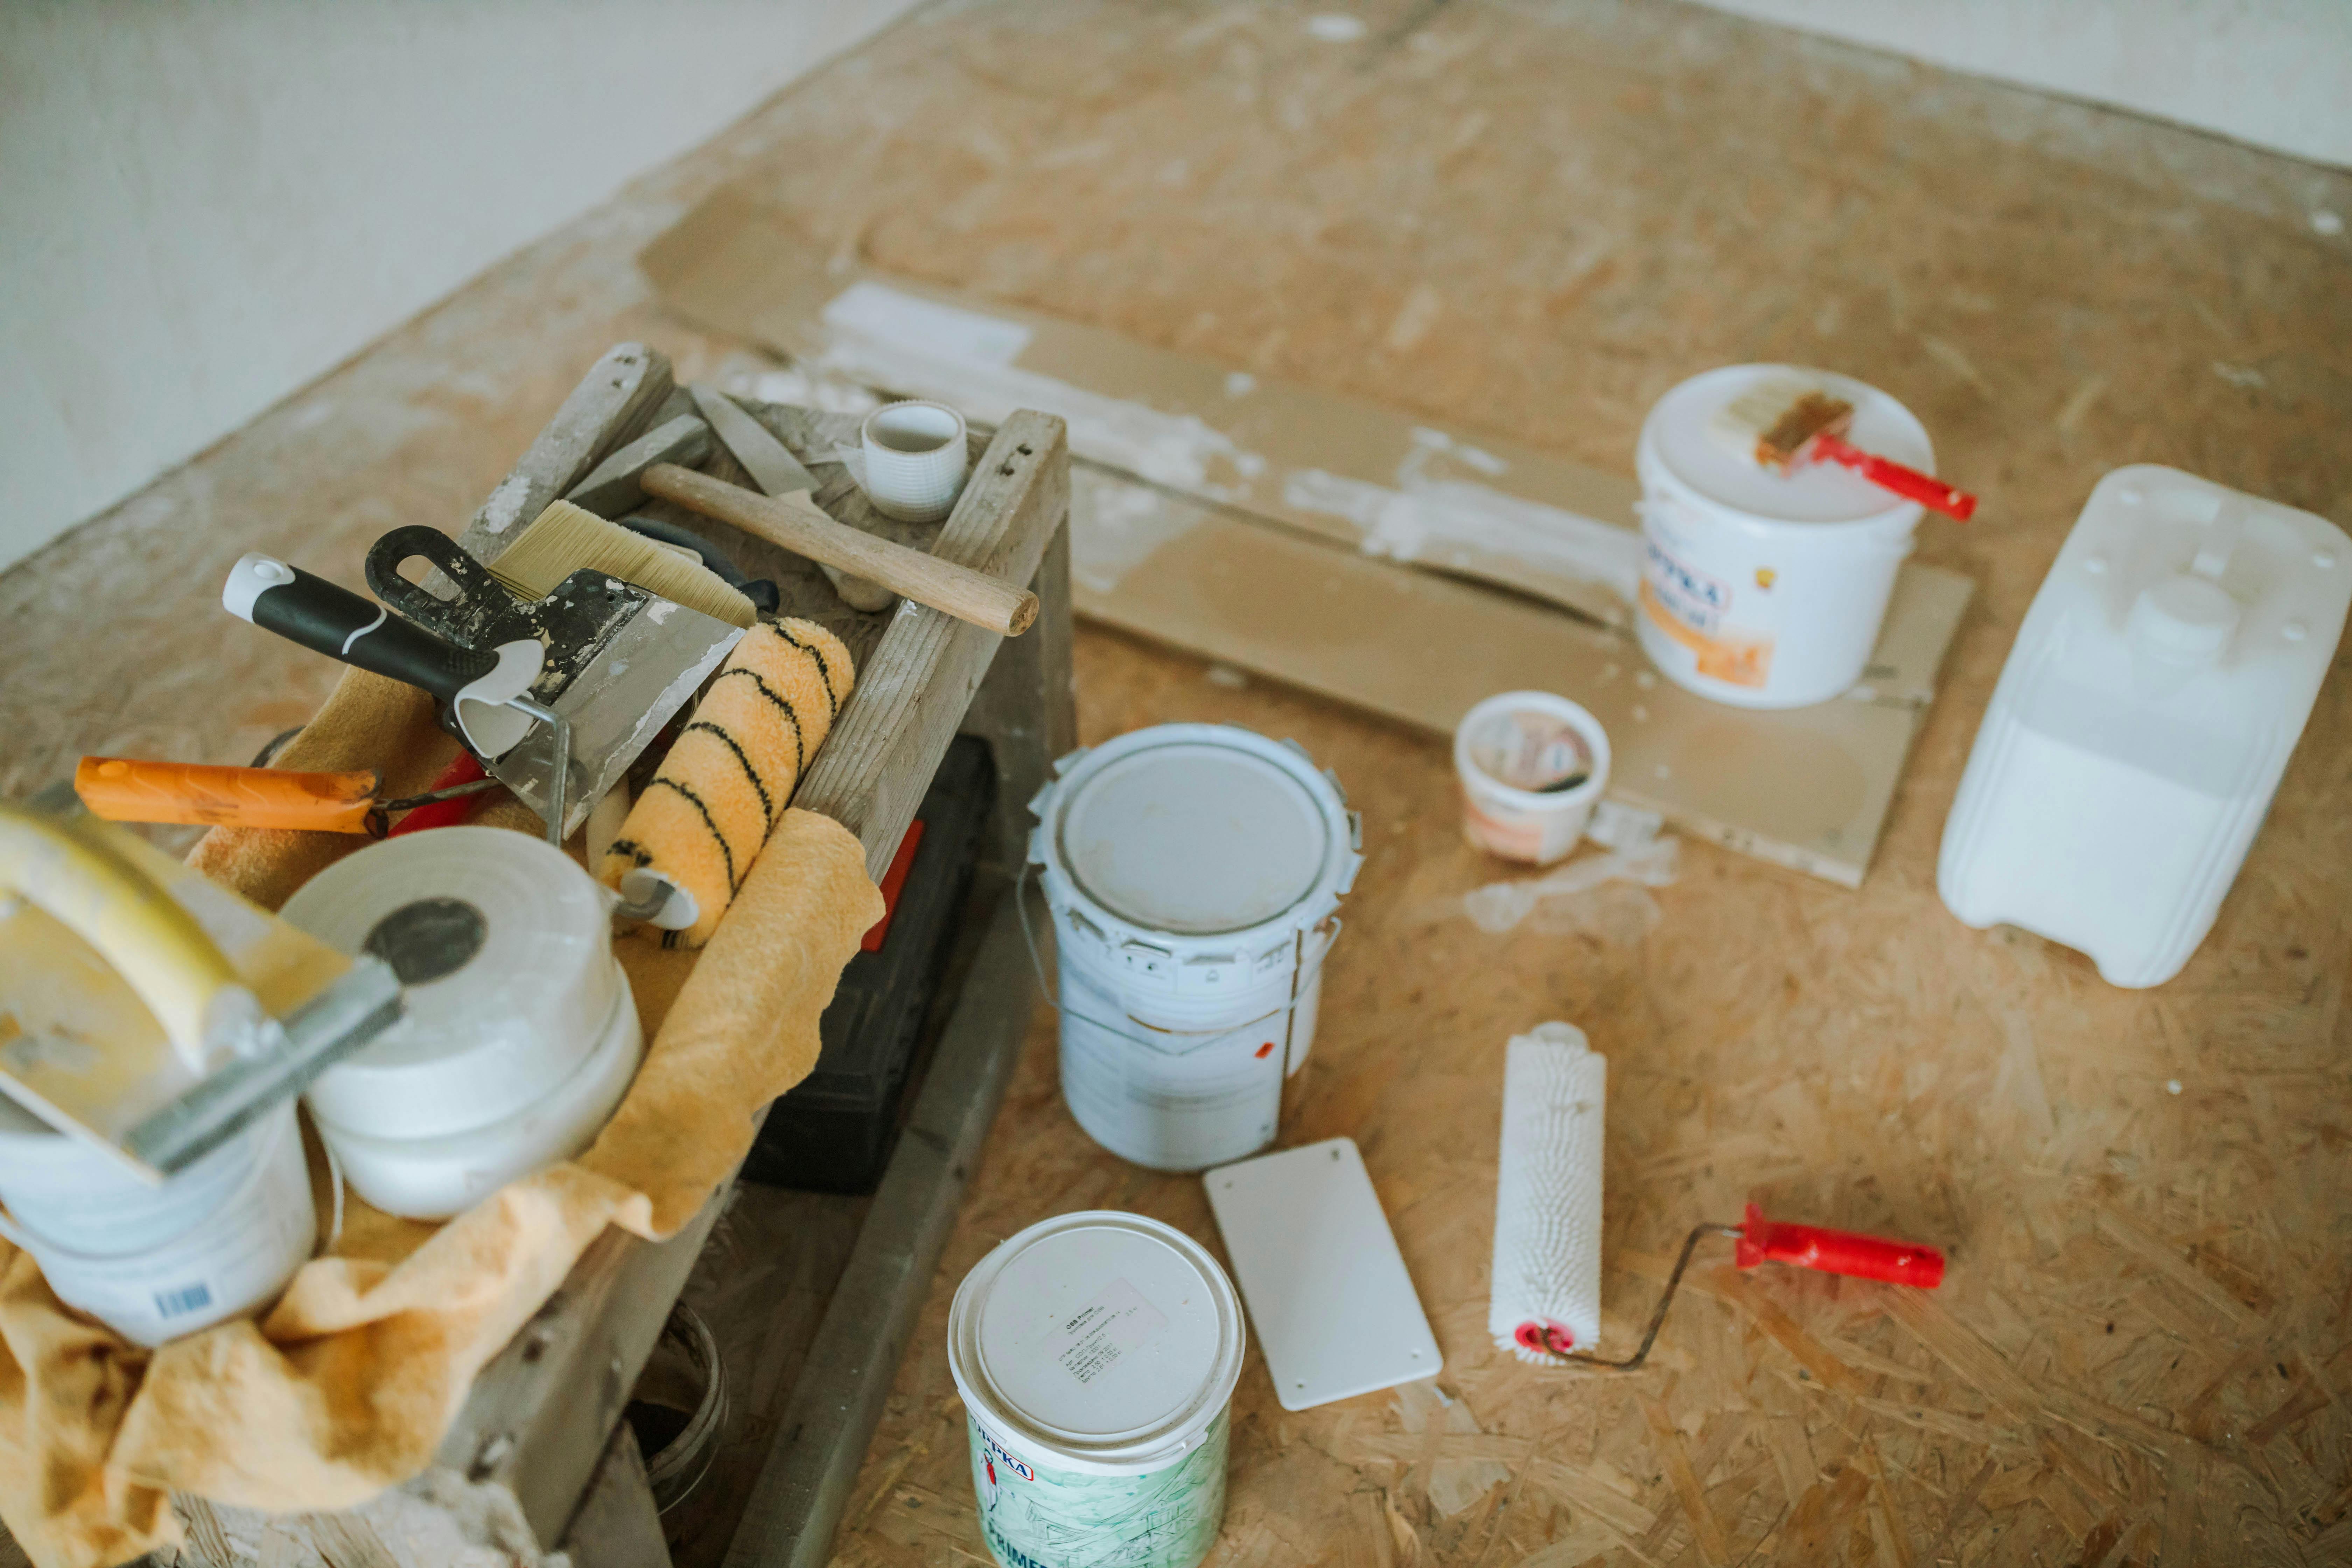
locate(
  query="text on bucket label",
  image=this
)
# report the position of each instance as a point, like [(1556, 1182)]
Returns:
[(1689, 605), (1090, 1340)]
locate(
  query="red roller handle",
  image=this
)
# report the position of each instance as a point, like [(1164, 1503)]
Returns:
[(1887, 475), (1838, 1252), (445, 813)]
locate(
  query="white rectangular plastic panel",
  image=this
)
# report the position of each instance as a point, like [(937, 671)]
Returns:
[(1318, 1268)]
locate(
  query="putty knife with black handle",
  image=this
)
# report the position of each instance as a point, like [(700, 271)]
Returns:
[(472, 687), (608, 660)]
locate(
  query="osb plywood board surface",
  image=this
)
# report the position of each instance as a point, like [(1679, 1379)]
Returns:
[(1532, 220)]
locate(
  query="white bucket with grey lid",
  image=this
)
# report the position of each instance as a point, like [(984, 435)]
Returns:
[(1097, 1354), (156, 1260), (1194, 872)]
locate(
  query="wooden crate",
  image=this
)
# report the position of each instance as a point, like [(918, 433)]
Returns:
[(537, 1459)]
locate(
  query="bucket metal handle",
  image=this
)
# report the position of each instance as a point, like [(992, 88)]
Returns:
[(1128, 1029)]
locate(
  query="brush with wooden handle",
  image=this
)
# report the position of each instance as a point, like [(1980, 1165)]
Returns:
[(1783, 424), (802, 527)]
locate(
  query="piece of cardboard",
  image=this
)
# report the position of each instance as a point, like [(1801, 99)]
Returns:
[(1342, 546), (1807, 788), (1349, 470)]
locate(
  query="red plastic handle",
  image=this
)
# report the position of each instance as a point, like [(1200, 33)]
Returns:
[(445, 813), (1909, 483), (1838, 1252)]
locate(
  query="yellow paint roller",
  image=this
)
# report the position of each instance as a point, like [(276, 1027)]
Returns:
[(727, 781)]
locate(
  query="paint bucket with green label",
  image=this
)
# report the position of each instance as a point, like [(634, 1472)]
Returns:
[(1096, 1353)]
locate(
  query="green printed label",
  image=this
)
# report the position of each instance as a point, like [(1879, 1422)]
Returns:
[(1035, 1516)]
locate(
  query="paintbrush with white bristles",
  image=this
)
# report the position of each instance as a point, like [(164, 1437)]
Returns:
[(1781, 423)]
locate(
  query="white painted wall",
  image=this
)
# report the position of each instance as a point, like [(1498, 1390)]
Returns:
[(2276, 73), (207, 203)]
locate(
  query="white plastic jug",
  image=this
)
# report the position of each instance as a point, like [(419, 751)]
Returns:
[(2160, 681)]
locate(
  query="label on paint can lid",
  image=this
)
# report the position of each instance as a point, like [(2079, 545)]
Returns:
[(1106, 1328)]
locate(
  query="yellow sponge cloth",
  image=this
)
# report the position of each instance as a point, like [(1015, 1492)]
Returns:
[(733, 768)]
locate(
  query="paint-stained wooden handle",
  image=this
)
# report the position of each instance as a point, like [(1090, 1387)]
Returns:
[(123, 789), (800, 526)]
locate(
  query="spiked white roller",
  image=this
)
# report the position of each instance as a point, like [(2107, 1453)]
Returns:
[(1545, 1292)]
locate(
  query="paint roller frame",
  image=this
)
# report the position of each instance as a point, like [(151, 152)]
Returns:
[(1536, 1340), (1852, 1253)]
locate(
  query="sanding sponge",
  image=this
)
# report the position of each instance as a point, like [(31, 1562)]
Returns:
[(1545, 1292), (727, 780)]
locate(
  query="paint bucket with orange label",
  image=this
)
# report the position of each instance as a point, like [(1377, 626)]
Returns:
[(1760, 588)]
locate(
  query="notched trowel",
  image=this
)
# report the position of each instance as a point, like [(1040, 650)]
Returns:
[(147, 1010)]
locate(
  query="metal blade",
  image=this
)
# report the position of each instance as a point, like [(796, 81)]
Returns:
[(777, 472), (638, 680), (772, 468)]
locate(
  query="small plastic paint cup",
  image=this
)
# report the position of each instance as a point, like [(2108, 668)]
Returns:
[(1097, 1354), (915, 459), (1532, 766)]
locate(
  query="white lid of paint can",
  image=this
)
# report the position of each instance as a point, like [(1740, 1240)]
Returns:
[(1194, 849), (504, 948), (1532, 766), (1098, 1342), (1680, 457)]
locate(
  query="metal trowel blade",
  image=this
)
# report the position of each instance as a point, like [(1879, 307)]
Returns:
[(644, 672)]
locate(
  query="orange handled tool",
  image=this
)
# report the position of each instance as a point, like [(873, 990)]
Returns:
[(123, 789)]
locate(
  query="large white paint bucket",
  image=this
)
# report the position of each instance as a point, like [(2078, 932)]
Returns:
[(1761, 589), (1194, 872), (154, 1262), (1097, 1354)]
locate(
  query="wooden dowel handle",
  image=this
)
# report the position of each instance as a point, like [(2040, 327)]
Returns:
[(800, 526)]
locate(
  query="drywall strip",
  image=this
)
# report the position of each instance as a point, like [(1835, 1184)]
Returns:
[(1278, 528), (1355, 472)]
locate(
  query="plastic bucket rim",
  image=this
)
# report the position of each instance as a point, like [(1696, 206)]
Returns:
[(263, 1149), (1142, 1449), (1064, 893)]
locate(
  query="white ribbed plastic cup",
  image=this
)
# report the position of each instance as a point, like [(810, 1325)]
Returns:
[(1535, 826), (915, 459)]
